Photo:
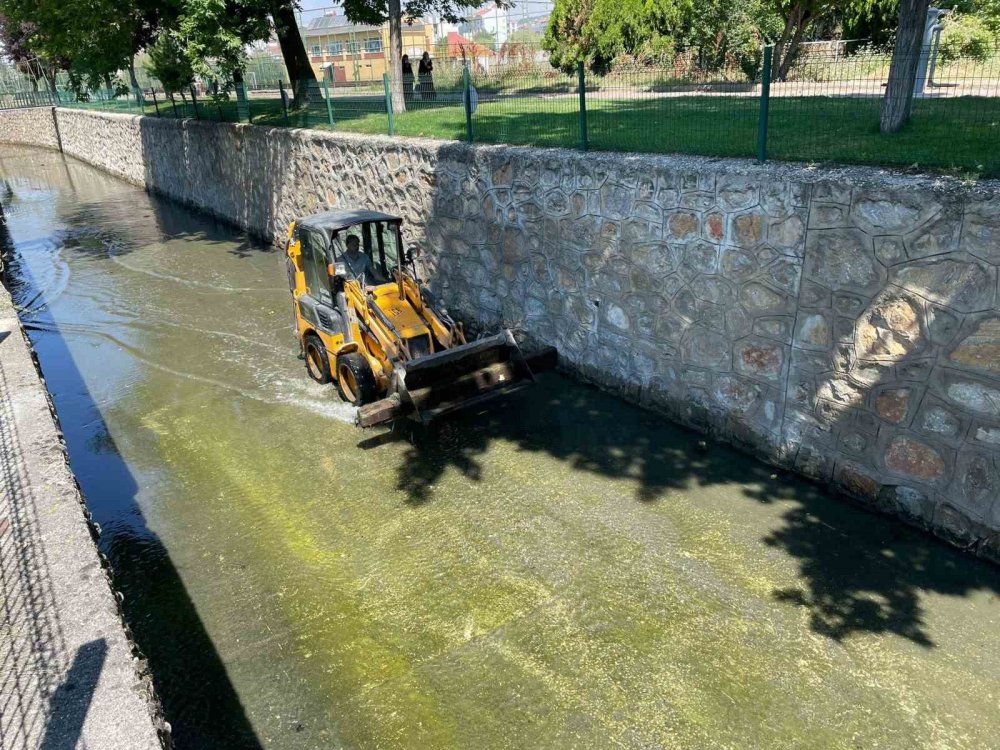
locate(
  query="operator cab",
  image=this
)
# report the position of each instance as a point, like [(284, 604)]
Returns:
[(363, 246)]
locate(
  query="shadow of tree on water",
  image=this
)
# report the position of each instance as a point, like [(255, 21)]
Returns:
[(861, 572)]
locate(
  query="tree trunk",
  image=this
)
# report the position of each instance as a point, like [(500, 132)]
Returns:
[(131, 74), (788, 43), (396, 56), (793, 46), (293, 50), (779, 46), (898, 99)]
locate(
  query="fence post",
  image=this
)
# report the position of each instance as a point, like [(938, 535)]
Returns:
[(582, 78), (765, 97), (284, 100), (388, 104), (194, 101), (243, 103), (156, 104), (329, 104), (467, 100), (173, 103)]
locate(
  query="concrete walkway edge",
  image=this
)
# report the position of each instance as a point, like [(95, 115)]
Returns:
[(68, 675)]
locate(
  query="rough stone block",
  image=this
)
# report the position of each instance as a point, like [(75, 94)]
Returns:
[(828, 216), (890, 329), (747, 229), (915, 460), (843, 259), (958, 281), (981, 230), (813, 331), (759, 358), (894, 405), (979, 349)]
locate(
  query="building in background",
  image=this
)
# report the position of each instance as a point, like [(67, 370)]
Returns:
[(357, 53), (489, 19)]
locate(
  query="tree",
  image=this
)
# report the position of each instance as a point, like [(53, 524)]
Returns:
[(217, 32), (93, 38), (898, 99), (377, 12), (598, 31), (797, 15), (293, 49), (14, 38), (169, 63)]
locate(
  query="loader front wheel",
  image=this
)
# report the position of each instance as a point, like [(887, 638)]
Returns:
[(355, 379), (317, 364)]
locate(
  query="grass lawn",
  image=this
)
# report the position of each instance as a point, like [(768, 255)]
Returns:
[(959, 134)]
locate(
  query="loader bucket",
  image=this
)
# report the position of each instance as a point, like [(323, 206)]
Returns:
[(456, 378)]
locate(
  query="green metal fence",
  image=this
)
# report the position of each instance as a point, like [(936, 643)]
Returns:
[(825, 109)]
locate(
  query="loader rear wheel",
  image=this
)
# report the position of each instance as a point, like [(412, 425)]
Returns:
[(317, 364), (355, 379)]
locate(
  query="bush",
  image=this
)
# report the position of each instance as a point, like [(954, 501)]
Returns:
[(966, 37)]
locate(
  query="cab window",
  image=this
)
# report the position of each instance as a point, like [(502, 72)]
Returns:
[(387, 242), (314, 265)]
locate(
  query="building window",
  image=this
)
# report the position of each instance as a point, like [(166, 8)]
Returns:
[(352, 48), (316, 52), (373, 45), (334, 48)]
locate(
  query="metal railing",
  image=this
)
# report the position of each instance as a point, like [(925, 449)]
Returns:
[(825, 108)]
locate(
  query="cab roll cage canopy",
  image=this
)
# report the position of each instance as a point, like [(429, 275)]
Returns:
[(330, 223)]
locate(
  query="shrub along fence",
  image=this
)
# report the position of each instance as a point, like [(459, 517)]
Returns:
[(825, 110)]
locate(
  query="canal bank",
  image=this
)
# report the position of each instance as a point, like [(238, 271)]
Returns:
[(69, 676)]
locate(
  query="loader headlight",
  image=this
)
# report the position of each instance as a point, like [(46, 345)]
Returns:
[(338, 269)]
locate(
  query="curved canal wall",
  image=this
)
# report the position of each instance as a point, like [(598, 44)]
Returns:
[(842, 323)]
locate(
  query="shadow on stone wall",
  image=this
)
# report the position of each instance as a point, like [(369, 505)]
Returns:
[(844, 323)]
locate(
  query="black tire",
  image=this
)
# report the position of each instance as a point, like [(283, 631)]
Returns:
[(355, 379), (317, 362)]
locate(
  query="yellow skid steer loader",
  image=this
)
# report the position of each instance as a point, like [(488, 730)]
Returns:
[(364, 322)]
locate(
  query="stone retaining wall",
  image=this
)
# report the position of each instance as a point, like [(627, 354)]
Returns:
[(844, 323), (32, 127)]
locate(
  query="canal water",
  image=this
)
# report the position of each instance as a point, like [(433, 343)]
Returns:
[(561, 570)]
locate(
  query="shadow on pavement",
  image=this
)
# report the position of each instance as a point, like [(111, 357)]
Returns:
[(71, 700)]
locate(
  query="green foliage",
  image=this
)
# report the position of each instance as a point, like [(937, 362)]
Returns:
[(93, 38), (377, 11), (722, 32), (989, 12), (168, 62), (967, 37), (598, 31), (219, 31)]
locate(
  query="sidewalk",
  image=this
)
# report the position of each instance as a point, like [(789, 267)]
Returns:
[(67, 674)]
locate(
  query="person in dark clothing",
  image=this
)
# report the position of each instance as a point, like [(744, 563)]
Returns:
[(425, 71), (407, 79)]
